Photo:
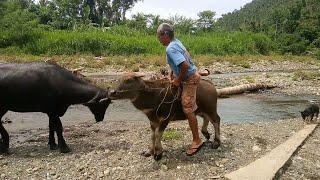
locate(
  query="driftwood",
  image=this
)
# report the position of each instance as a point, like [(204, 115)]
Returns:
[(161, 83), (242, 88)]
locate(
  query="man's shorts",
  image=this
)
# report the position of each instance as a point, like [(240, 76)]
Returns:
[(189, 93)]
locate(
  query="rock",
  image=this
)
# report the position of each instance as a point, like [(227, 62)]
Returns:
[(164, 167), (215, 177), (298, 158), (35, 169), (106, 172), (44, 135), (29, 170), (80, 169), (218, 164), (224, 160), (256, 148), (223, 138), (101, 175)]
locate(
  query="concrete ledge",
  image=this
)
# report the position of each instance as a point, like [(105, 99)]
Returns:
[(268, 166)]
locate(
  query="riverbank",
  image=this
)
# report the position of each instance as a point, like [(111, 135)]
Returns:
[(110, 150)]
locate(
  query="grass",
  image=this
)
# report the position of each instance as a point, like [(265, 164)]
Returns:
[(305, 75), (171, 134), (249, 79), (129, 42)]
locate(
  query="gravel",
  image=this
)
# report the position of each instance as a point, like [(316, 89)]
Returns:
[(111, 150)]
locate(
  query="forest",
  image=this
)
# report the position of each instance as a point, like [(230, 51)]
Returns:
[(100, 27)]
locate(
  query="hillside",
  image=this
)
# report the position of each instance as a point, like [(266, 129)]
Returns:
[(263, 15), (290, 21)]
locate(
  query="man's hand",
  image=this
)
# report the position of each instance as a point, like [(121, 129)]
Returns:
[(176, 82)]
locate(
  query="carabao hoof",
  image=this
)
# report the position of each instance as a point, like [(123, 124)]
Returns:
[(65, 149), (3, 149), (215, 145), (53, 146), (157, 157)]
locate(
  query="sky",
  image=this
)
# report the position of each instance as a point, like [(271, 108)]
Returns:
[(187, 8)]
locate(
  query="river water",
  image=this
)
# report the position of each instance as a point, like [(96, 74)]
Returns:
[(255, 107)]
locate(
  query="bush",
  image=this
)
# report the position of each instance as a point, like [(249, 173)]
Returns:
[(292, 43), (18, 27), (316, 43), (317, 54), (262, 44)]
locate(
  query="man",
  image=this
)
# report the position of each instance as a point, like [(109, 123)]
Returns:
[(184, 73)]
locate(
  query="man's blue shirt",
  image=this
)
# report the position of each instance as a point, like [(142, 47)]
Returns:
[(176, 54)]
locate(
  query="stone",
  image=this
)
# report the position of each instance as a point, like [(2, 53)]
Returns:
[(256, 148)]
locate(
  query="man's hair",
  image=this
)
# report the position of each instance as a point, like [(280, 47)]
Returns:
[(167, 29)]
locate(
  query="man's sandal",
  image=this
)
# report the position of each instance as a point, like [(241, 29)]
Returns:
[(194, 150)]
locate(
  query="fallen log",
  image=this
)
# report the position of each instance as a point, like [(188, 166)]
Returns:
[(242, 88)]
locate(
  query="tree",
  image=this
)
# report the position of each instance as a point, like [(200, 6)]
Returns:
[(206, 20), (145, 22), (69, 14), (18, 26), (182, 24)]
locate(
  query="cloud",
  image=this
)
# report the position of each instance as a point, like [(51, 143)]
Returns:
[(187, 8)]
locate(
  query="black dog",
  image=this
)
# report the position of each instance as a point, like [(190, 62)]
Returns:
[(309, 112)]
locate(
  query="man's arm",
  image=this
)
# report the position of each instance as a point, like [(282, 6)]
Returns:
[(183, 73)]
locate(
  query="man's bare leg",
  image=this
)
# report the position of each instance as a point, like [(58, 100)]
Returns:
[(196, 141)]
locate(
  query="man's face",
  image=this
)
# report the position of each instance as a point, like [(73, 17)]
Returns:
[(163, 38)]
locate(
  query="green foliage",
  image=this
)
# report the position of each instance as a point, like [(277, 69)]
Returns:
[(306, 75), (318, 54), (59, 27), (290, 21), (171, 134), (224, 43), (182, 24), (316, 43), (292, 43), (94, 42), (18, 26), (206, 20), (120, 40), (249, 79), (147, 23)]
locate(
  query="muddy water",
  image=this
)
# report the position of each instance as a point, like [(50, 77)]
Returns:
[(24, 121), (236, 109), (262, 107)]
